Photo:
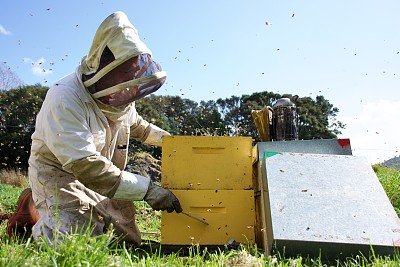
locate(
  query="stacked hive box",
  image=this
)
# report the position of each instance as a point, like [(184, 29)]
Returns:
[(213, 179)]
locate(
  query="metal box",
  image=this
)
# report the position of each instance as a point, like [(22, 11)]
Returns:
[(316, 146), (207, 162), (327, 205), (229, 213)]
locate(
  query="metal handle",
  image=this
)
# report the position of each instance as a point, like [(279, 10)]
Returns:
[(195, 218)]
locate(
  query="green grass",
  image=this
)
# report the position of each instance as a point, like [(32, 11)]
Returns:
[(390, 180), (148, 221), (9, 196), (82, 249)]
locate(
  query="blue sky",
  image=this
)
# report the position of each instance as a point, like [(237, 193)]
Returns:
[(347, 51)]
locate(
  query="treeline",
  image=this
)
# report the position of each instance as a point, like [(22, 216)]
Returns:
[(230, 117)]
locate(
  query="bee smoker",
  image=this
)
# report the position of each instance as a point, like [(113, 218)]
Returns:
[(285, 120)]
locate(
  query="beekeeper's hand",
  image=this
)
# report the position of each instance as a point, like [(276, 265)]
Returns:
[(160, 198)]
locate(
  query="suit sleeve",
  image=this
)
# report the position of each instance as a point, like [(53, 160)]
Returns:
[(145, 132)]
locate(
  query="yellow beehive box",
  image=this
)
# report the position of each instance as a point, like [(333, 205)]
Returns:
[(229, 213), (207, 162)]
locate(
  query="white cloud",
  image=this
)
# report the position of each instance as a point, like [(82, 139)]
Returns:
[(38, 66), (4, 31), (374, 132)]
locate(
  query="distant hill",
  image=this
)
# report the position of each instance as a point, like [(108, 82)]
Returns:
[(393, 163)]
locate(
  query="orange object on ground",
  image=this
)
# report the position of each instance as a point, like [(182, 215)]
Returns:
[(25, 216)]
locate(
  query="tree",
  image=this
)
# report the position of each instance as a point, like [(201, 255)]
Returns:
[(208, 120), (231, 110), (18, 110), (230, 116), (8, 78), (317, 119), (236, 111), (179, 117)]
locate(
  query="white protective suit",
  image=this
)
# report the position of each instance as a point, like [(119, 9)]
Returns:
[(79, 148)]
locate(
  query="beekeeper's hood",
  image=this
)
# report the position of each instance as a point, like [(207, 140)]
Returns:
[(122, 39)]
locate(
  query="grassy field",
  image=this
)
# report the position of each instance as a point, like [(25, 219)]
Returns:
[(81, 249), (390, 180)]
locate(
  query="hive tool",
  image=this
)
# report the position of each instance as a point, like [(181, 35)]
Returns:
[(195, 218)]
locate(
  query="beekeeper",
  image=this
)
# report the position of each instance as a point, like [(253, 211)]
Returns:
[(79, 147)]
